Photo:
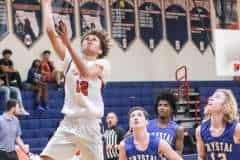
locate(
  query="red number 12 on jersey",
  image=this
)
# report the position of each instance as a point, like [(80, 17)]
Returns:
[(82, 86)]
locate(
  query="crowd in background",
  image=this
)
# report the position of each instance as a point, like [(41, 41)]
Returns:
[(40, 74)]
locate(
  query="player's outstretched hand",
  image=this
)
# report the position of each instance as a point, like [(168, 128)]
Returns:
[(61, 29)]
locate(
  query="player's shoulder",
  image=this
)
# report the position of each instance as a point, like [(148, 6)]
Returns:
[(237, 129), (237, 133), (1, 118), (180, 129), (152, 121), (198, 131), (122, 144), (174, 123), (205, 124), (119, 129)]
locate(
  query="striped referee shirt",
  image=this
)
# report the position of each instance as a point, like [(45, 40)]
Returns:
[(113, 136)]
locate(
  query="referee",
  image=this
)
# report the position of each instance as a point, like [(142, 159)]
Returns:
[(113, 135)]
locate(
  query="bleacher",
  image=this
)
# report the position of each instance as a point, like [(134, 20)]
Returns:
[(118, 97)]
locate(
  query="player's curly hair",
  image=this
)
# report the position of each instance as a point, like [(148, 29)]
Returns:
[(166, 96), (230, 107), (104, 40)]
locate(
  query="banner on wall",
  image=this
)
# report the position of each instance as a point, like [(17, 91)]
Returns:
[(176, 23), (27, 20), (226, 14), (123, 22), (92, 15), (63, 10), (150, 22), (200, 23), (3, 19)]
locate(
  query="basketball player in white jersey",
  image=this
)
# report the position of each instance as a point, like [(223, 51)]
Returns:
[(83, 106)]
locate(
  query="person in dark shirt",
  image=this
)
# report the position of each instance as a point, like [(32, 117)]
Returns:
[(10, 81), (113, 136), (37, 85), (6, 67)]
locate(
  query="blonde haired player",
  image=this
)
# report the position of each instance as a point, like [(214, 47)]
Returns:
[(218, 137), (83, 105)]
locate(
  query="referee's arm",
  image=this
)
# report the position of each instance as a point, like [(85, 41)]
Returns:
[(120, 135)]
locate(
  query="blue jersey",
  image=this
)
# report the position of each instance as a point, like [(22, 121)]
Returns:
[(151, 153), (221, 147), (168, 133)]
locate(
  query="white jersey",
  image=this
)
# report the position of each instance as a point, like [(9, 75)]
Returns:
[(83, 98)]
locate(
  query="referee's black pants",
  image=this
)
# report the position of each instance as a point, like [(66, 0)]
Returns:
[(8, 155), (112, 158)]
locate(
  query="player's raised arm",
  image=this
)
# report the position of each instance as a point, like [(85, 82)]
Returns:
[(56, 42)]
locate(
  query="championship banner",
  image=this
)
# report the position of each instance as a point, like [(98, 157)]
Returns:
[(123, 22), (27, 20), (176, 23), (63, 10), (226, 14), (92, 15), (3, 19), (200, 23), (150, 22)]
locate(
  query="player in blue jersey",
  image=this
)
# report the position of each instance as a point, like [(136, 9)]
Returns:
[(218, 136), (163, 126), (141, 145)]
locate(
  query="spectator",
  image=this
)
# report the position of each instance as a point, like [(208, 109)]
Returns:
[(7, 85), (3, 89), (37, 85), (8, 91), (49, 74), (6, 67), (10, 132), (113, 136)]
